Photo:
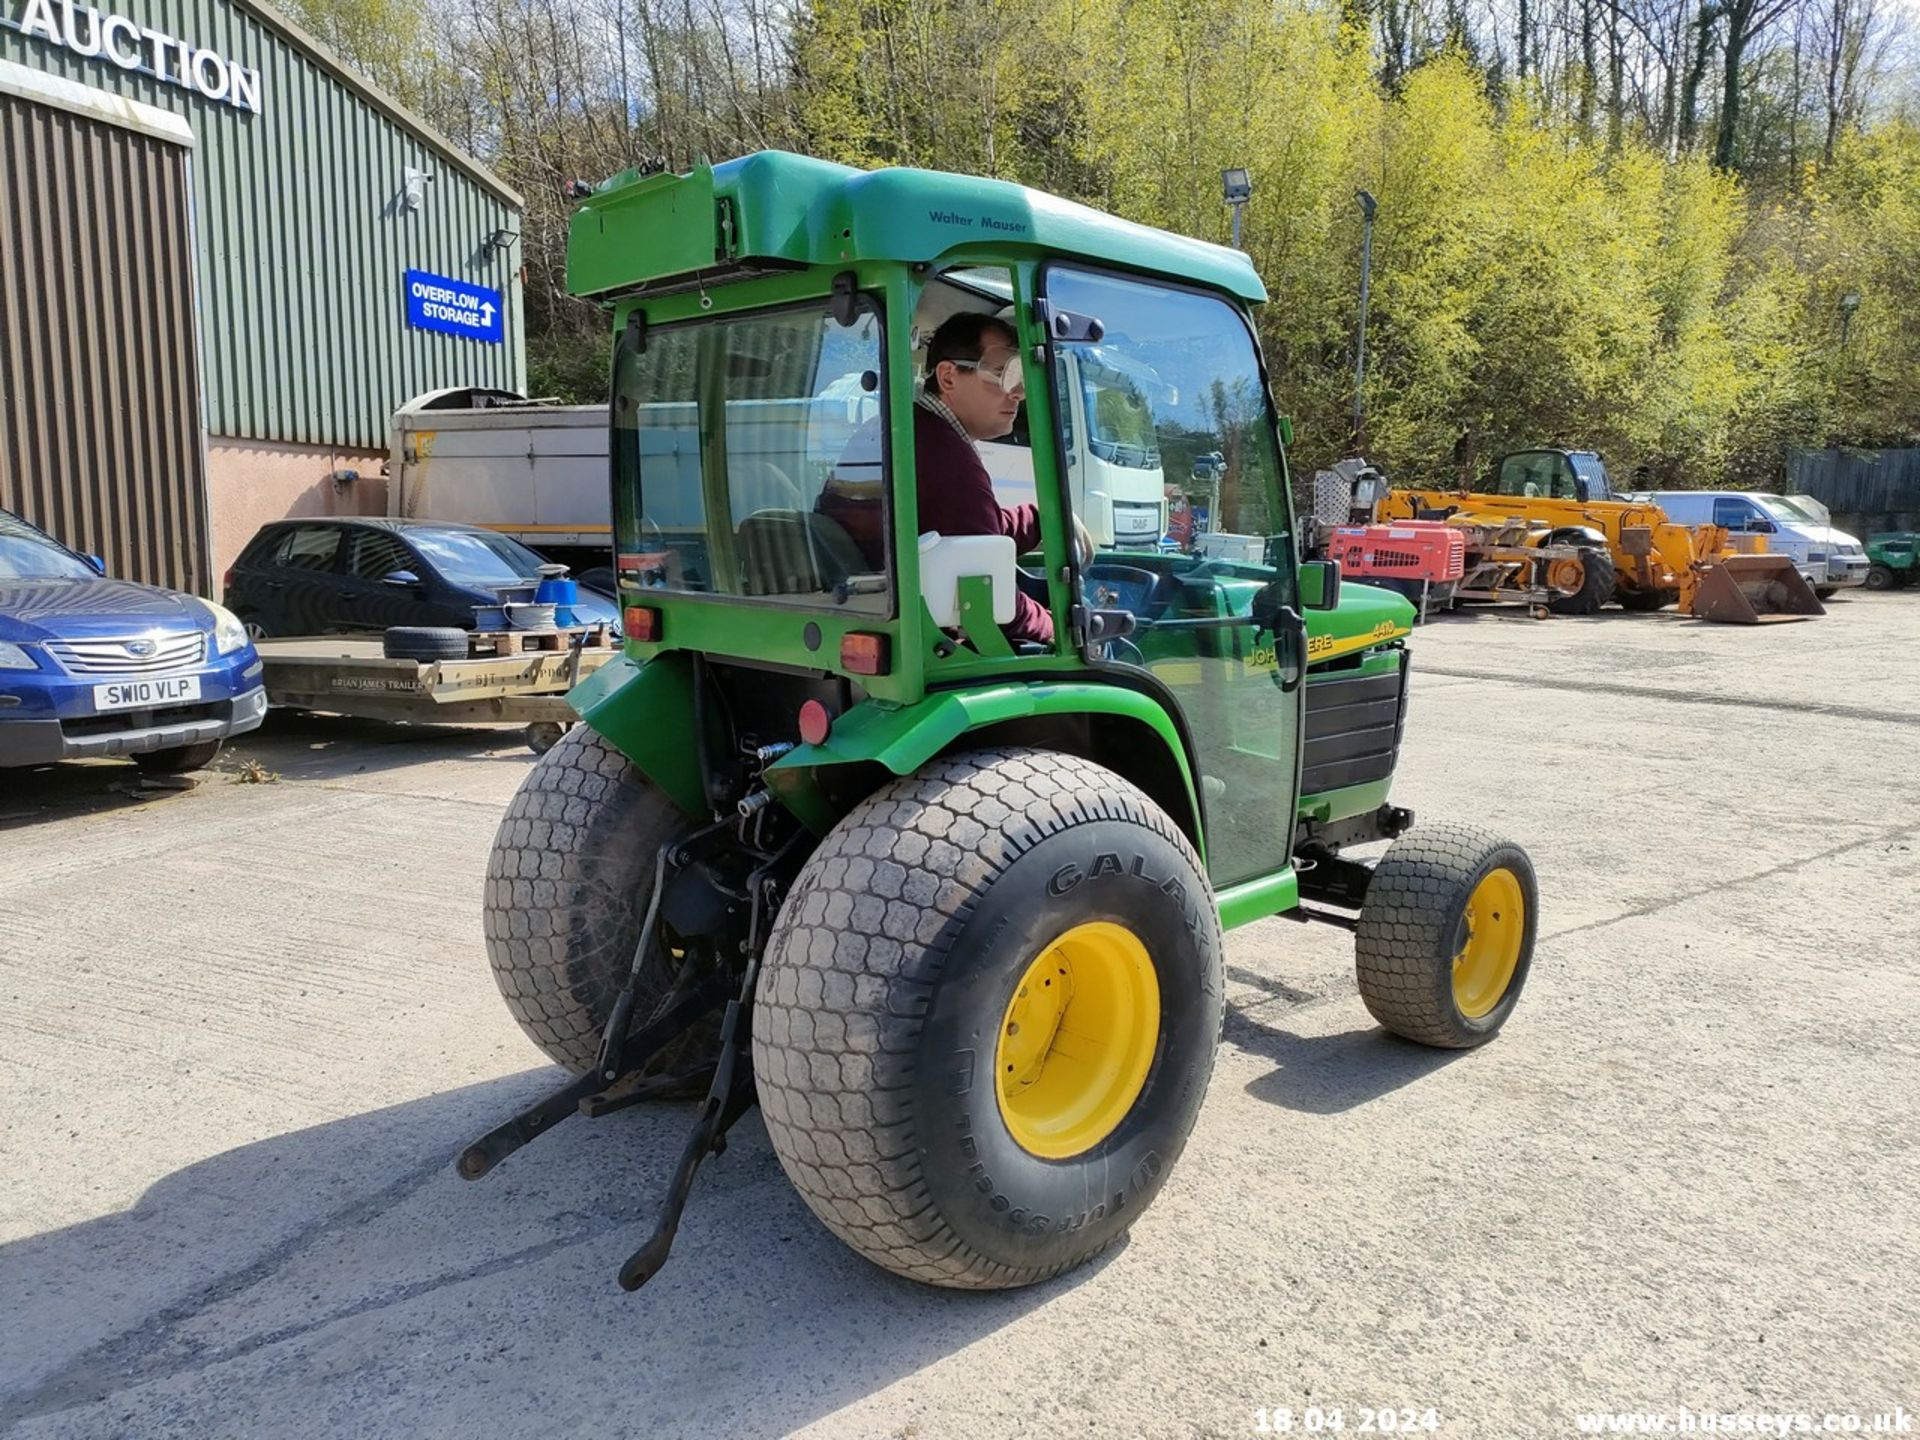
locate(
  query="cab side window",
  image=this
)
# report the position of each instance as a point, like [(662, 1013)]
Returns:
[(309, 548), (1734, 513)]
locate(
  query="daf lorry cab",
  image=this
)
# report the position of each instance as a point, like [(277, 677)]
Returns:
[(1830, 559), (1105, 397)]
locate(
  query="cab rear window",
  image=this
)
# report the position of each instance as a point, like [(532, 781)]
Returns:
[(750, 458)]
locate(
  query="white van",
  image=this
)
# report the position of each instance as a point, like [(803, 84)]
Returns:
[(1830, 559)]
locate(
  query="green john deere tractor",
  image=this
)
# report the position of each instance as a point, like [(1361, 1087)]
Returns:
[(946, 904)]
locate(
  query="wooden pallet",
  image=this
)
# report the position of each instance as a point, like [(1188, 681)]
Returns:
[(521, 642)]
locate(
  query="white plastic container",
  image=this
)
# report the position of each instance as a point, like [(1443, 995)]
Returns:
[(947, 559)]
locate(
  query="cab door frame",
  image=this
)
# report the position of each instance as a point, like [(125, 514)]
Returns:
[(1289, 627)]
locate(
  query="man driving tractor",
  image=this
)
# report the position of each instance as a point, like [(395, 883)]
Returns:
[(973, 392)]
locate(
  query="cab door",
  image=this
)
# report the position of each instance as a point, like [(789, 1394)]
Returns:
[(1211, 611)]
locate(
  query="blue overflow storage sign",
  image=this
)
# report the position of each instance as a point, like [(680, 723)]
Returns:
[(453, 307)]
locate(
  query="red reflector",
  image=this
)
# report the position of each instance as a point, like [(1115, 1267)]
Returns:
[(863, 654), (815, 723), (641, 622)]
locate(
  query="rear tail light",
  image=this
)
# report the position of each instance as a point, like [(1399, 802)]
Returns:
[(226, 580), (641, 622), (863, 654)]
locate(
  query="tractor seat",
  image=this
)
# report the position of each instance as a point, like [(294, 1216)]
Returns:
[(794, 552)]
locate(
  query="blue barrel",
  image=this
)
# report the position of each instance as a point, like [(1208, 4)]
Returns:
[(557, 590)]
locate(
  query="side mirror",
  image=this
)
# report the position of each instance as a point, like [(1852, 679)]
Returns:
[(99, 565), (1758, 526), (400, 579), (1320, 585)]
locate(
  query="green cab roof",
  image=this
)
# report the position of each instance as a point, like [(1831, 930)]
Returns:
[(663, 233)]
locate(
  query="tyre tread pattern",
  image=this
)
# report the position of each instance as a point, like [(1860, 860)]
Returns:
[(1406, 929), (424, 642), (1599, 578), (559, 934), (853, 965)]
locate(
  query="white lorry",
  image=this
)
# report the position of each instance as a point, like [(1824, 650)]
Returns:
[(538, 471), (1113, 455), (1796, 526), (529, 469)]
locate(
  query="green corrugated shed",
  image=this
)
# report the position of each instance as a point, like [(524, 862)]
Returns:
[(303, 230)]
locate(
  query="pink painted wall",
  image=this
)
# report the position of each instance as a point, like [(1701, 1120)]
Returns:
[(250, 482)]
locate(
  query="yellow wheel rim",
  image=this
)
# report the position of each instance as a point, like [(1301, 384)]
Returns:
[(1491, 933), (1077, 1040)]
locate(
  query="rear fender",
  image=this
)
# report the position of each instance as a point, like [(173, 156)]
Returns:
[(1124, 729), (1577, 535), (646, 711)]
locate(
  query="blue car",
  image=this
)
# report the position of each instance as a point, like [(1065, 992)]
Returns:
[(93, 666)]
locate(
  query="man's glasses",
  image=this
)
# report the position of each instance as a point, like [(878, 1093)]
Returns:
[(1007, 375)]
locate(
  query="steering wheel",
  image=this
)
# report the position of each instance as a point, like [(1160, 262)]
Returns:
[(1124, 587)]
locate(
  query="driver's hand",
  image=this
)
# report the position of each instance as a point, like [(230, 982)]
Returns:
[(1082, 542)]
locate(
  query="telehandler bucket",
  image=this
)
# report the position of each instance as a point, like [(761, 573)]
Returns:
[(1754, 590)]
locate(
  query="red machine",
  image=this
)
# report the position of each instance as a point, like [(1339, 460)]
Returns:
[(1410, 550)]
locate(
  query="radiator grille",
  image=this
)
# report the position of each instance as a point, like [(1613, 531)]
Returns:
[(131, 655)]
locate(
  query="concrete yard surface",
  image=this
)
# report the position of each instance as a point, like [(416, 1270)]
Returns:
[(245, 1026)]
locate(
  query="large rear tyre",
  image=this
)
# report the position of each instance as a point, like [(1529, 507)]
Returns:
[(1445, 938), (1595, 583), (567, 889), (1881, 577), (987, 1017)]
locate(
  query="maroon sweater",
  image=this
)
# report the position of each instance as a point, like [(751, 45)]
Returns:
[(956, 498)]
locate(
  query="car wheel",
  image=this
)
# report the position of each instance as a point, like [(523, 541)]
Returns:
[(179, 760), (256, 630)]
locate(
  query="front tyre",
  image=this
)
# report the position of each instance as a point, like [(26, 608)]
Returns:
[(1445, 938), (987, 1017), (1588, 579)]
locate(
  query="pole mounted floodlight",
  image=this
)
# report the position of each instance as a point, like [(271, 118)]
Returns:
[(1367, 207), (1237, 186)]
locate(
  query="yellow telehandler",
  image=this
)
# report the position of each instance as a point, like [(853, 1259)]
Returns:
[(1598, 547)]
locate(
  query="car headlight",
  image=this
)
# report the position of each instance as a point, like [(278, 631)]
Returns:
[(14, 657), (229, 634)]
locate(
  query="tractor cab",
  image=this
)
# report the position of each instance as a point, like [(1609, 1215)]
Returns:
[(767, 490), (1578, 475)]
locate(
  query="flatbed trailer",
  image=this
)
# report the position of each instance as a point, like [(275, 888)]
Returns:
[(351, 675)]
